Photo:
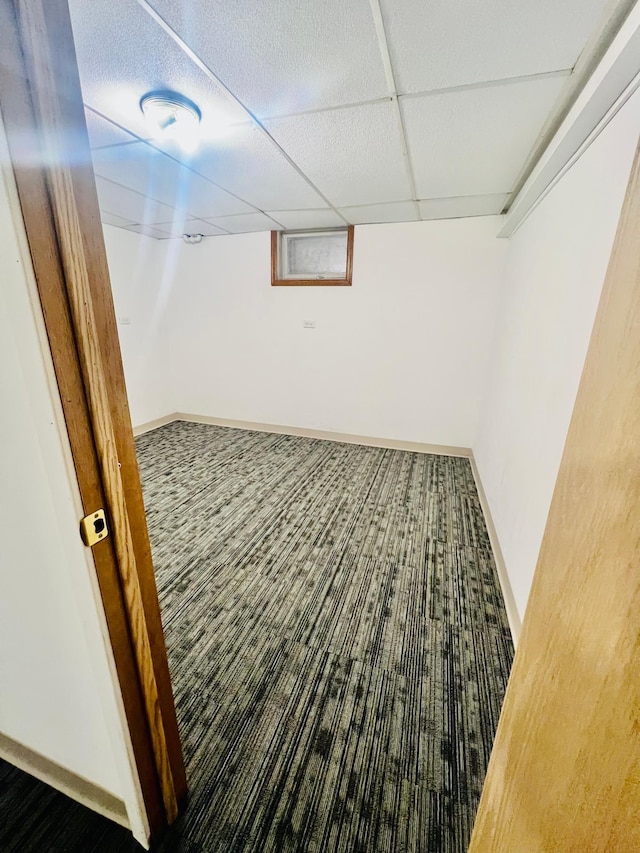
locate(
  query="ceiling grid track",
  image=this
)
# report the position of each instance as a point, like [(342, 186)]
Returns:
[(175, 160), (489, 84), (475, 116), (578, 76), (157, 201), (331, 109), (190, 215), (193, 56), (391, 85)]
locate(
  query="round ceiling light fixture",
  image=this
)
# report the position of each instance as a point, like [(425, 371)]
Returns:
[(171, 116)]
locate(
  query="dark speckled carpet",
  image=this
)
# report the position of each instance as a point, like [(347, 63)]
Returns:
[(338, 645)]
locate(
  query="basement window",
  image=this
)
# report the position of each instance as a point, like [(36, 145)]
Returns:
[(312, 257)]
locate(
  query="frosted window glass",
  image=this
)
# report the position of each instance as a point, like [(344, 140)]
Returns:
[(313, 255)]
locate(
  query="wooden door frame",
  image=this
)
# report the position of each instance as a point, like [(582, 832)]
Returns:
[(43, 114), (564, 772)]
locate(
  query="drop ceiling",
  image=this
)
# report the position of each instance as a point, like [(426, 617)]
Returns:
[(317, 113)]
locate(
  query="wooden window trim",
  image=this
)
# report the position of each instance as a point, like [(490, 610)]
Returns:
[(311, 282)]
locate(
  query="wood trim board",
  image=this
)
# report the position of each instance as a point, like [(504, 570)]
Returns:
[(42, 106), (276, 281)]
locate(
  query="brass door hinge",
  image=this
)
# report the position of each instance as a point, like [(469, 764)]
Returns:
[(93, 528)]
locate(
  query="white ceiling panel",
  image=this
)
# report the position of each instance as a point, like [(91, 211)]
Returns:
[(284, 56), (246, 163), (190, 226), (313, 74), (102, 132), (475, 141), (398, 211), (112, 219), (123, 54), (129, 204), (148, 231), (451, 208), (245, 223), (293, 219), (353, 155), (439, 43), (152, 173)]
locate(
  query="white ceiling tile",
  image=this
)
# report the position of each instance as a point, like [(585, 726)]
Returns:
[(293, 219), (129, 204), (189, 226), (440, 43), (452, 208), (245, 223), (475, 141), (102, 132), (283, 56), (148, 231), (112, 219), (353, 155), (279, 57), (246, 163), (123, 54), (398, 211), (156, 175)]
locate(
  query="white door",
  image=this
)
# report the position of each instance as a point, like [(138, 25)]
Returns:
[(61, 715)]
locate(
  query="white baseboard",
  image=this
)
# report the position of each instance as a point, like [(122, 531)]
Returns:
[(503, 576), (76, 787), (325, 435), (150, 425), (369, 441)]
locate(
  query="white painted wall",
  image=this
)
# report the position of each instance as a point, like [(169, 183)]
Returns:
[(401, 354), (58, 693), (555, 271), (448, 335), (140, 287)]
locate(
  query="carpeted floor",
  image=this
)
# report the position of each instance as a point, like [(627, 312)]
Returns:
[(338, 645)]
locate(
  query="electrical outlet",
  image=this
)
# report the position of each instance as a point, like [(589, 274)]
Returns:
[(308, 324)]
